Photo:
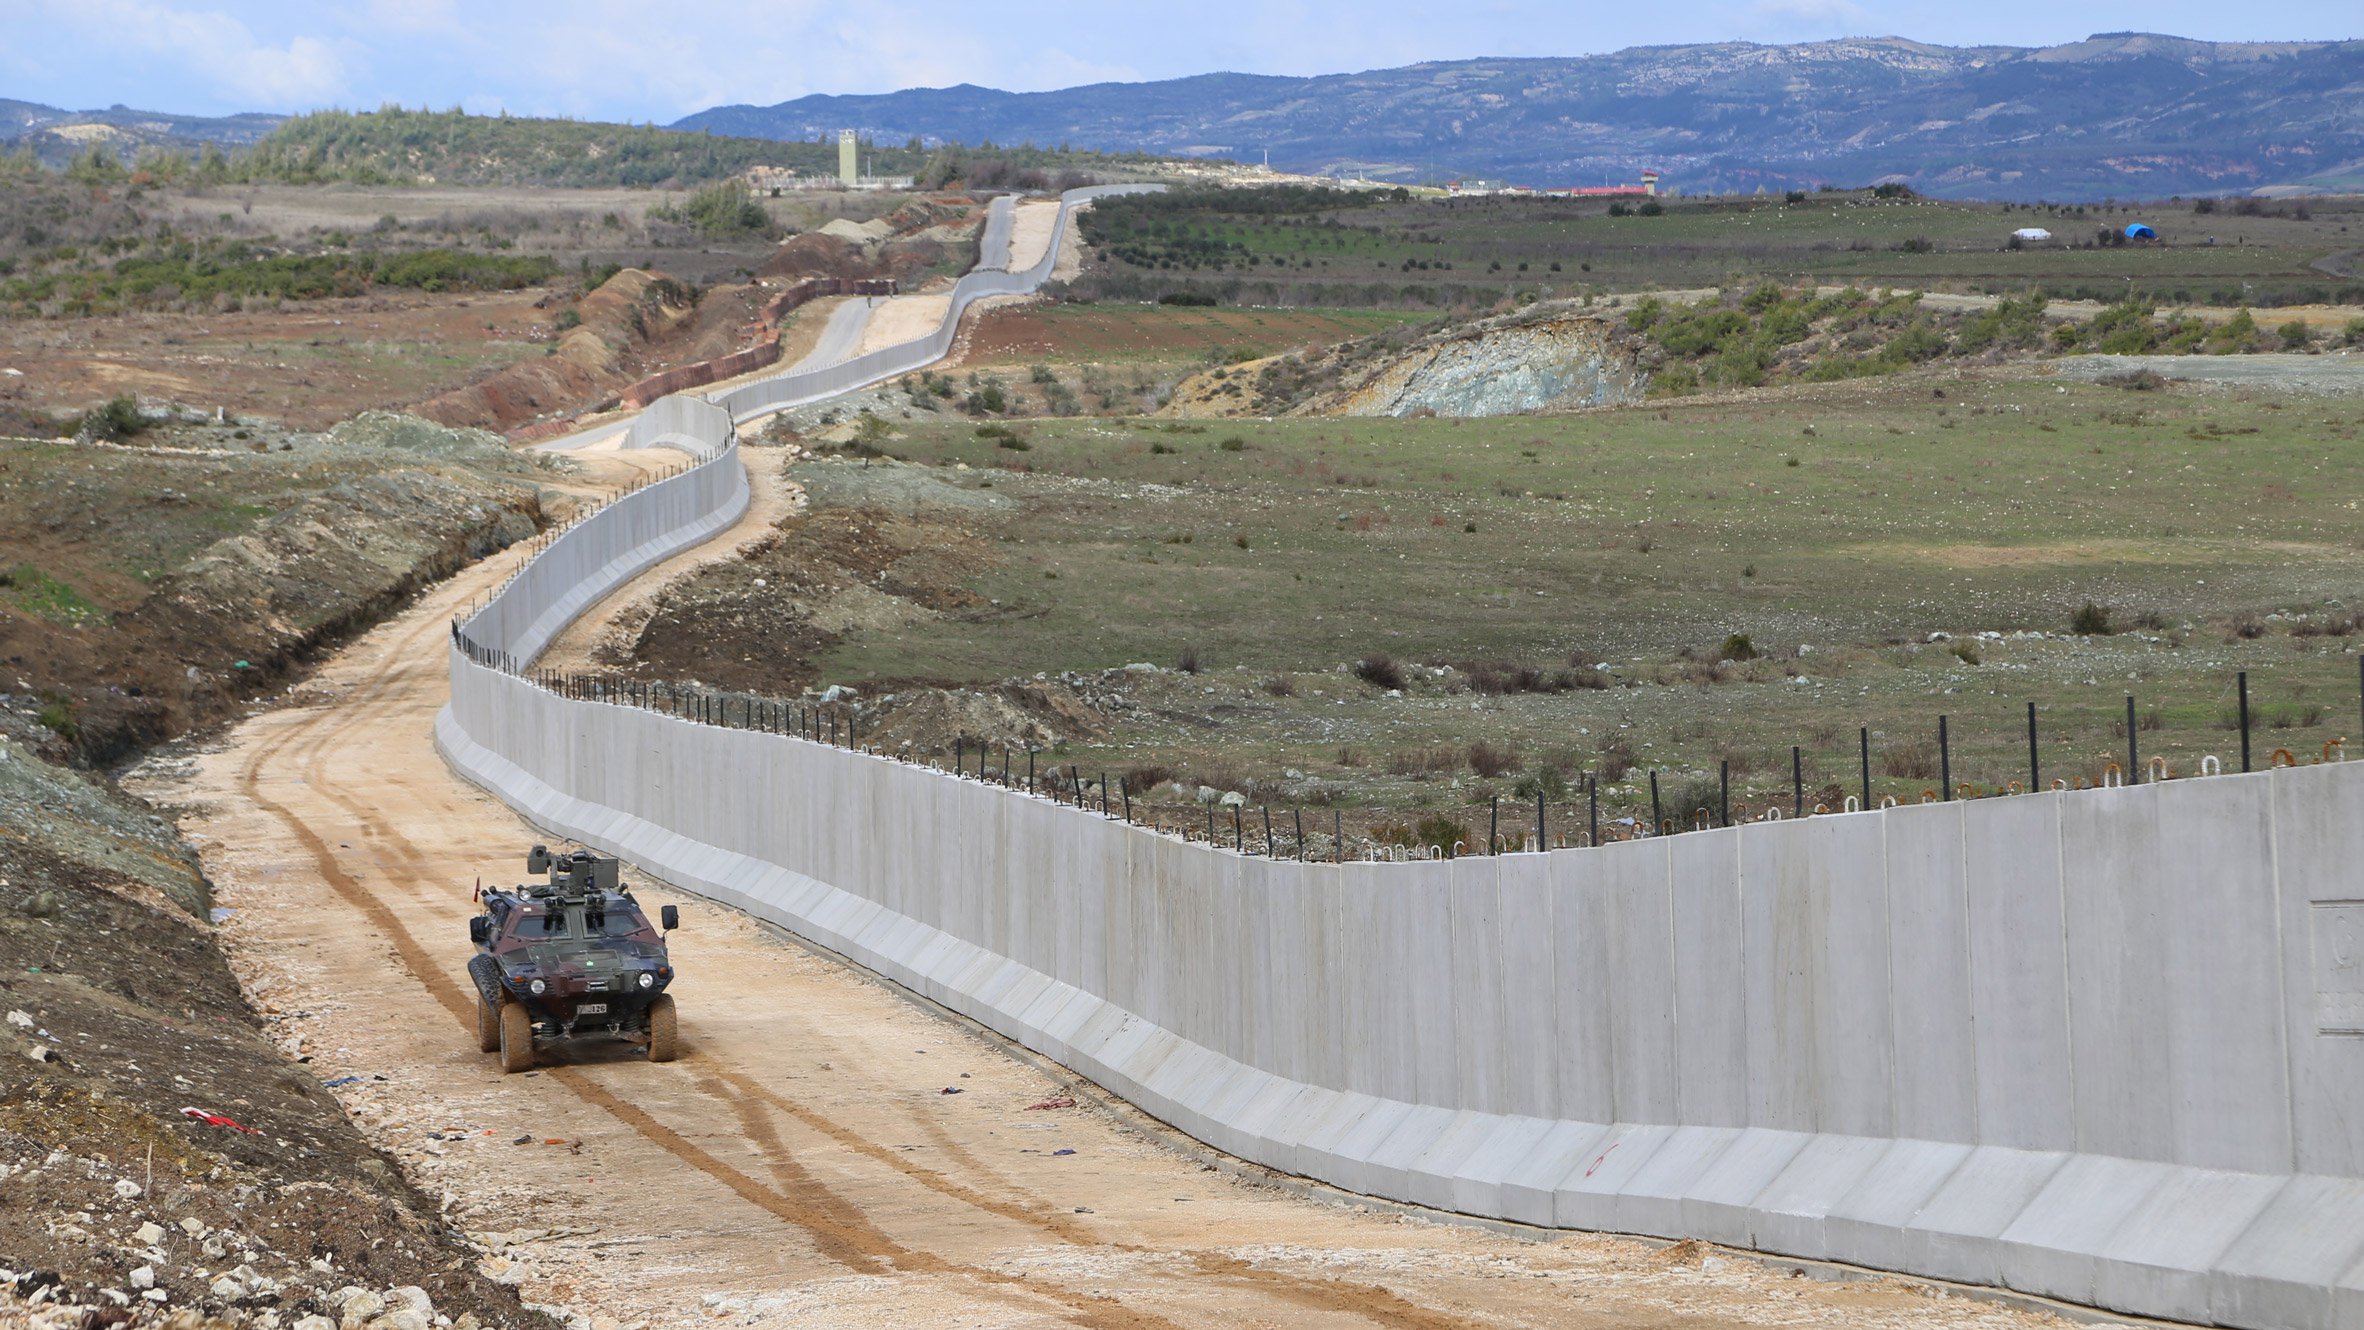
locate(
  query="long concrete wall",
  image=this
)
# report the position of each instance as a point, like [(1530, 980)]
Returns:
[(2106, 1046), (987, 280)]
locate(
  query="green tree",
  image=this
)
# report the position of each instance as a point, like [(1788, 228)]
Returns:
[(96, 165)]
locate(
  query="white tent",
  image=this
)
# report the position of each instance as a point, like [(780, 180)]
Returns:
[(2031, 234)]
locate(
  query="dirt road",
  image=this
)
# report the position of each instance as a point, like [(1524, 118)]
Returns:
[(826, 1152), (1031, 227)]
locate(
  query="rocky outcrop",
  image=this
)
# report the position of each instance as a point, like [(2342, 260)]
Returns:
[(1498, 368), (1554, 356)]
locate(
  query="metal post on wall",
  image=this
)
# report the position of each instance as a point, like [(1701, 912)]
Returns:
[(1494, 826), (2035, 756), (1863, 736), (2133, 763), (1541, 842), (1338, 835), (1030, 768), (1657, 817), (1797, 781), (1592, 800), (1945, 763), (2245, 718), (1268, 831), (1725, 808), (1239, 838), (1299, 814)]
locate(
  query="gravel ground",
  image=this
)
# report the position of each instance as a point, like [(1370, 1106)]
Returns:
[(2340, 373)]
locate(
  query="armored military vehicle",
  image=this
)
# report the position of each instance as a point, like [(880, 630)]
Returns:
[(573, 957)]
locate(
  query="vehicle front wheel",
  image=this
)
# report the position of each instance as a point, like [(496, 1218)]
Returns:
[(664, 1029), (488, 1026), (517, 1037)]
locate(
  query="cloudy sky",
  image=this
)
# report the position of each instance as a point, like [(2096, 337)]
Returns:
[(606, 59)]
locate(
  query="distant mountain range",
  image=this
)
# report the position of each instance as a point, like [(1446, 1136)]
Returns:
[(57, 135), (2129, 115)]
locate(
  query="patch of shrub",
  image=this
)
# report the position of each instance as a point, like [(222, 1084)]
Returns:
[(1490, 760), (1380, 671), (1738, 647), (1187, 662), (1233, 444), (1917, 760), (120, 418), (1280, 685), (1497, 677), (2091, 620), (1545, 780), (717, 212), (1422, 763), (1146, 776)]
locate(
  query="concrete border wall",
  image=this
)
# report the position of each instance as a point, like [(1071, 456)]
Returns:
[(2105, 1046), (987, 280)]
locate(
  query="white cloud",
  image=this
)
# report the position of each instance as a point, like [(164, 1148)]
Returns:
[(209, 47)]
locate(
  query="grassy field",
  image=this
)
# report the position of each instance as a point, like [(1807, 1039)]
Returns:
[(1354, 250), (1890, 552)]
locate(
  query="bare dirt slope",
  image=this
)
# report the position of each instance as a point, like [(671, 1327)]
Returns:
[(826, 1152)]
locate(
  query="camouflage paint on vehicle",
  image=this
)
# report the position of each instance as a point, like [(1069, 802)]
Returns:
[(577, 952)]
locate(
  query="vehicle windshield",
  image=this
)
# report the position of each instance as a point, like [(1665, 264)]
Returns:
[(531, 923), (625, 922)]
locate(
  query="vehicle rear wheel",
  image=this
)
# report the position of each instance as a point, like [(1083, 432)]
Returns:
[(517, 1037), (664, 1029), (488, 1026)]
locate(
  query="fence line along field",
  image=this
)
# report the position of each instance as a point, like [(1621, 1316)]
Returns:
[(1409, 617)]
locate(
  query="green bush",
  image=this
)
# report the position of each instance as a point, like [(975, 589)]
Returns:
[(1739, 647), (2234, 335), (2295, 335), (719, 211), (2091, 620), (58, 718), (120, 418)]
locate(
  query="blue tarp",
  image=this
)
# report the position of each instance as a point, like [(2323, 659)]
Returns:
[(2138, 231)]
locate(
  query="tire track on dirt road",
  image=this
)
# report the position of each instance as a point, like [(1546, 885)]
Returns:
[(836, 1227)]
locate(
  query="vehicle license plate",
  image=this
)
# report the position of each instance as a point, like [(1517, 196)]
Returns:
[(591, 1009)]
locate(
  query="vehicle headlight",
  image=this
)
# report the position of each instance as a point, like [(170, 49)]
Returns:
[(647, 980), (537, 987)]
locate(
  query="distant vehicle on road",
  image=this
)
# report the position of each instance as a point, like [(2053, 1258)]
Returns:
[(574, 957)]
